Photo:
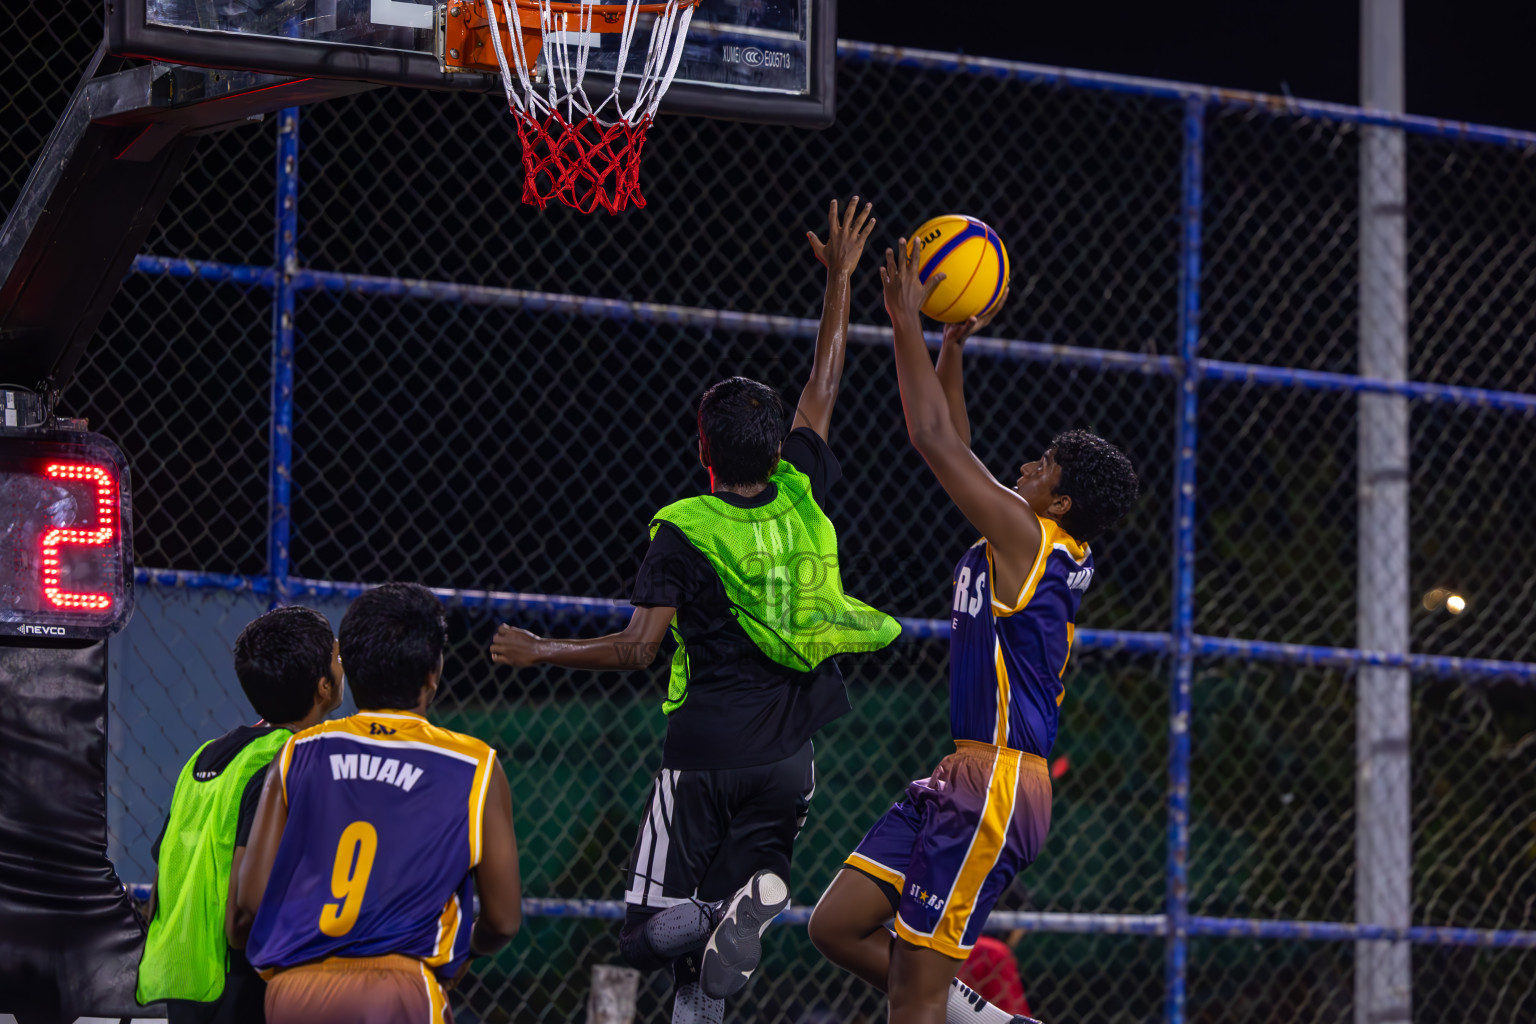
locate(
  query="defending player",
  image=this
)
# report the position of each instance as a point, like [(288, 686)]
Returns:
[(288, 667), (373, 836), (748, 578), (942, 855)]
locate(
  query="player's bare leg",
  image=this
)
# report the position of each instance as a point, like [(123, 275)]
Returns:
[(848, 927), (920, 984)]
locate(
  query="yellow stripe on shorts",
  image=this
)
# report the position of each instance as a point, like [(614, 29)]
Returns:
[(986, 846), (436, 999)]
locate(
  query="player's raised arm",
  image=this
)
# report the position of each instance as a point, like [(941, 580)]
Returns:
[(256, 866), (951, 374), (1002, 515), (634, 646), (846, 234)]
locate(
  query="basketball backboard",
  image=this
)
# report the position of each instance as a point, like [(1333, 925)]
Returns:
[(750, 60)]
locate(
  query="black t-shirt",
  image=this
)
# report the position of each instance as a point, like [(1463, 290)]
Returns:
[(248, 803), (743, 708)]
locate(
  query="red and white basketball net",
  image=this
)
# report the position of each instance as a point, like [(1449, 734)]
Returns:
[(586, 155)]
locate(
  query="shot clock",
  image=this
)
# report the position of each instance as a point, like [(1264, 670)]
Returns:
[(66, 528)]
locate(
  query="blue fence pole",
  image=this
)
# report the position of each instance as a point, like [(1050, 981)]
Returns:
[(280, 482), (1184, 566)]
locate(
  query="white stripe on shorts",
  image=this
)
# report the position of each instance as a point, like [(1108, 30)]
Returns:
[(661, 808), (636, 893), (649, 879)]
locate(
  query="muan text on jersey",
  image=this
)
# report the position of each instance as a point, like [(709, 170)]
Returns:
[(375, 769)]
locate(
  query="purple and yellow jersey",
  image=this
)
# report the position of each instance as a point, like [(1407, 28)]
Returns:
[(1006, 659), (383, 833)]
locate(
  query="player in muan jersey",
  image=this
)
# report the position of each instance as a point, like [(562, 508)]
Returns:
[(748, 579), (939, 859), (373, 836)]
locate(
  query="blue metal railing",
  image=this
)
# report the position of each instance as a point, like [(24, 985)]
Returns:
[(1122, 641), (1101, 924), (1176, 925), (1010, 349)]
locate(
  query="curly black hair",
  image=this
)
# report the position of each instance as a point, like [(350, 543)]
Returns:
[(741, 423), (280, 658), (1098, 478), (392, 638)]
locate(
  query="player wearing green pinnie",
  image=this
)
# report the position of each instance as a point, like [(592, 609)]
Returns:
[(747, 579)]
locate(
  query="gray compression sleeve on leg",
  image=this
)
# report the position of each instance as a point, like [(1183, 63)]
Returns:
[(691, 1006), (680, 929), (965, 1006)]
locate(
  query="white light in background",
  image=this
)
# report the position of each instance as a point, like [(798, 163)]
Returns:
[(1440, 598)]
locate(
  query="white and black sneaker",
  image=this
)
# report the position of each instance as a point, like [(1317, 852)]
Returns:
[(736, 946)]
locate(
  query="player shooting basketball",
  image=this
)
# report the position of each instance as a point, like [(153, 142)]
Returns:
[(941, 856), (748, 579)]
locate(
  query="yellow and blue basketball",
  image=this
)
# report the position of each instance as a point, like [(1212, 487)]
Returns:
[(973, 261)]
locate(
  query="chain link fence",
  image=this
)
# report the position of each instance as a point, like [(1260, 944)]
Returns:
[(493, 400)]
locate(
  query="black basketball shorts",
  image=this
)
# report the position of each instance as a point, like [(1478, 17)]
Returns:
[(706, 833)]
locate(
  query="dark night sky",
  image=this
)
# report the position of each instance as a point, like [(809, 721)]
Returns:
[(1466, 60)]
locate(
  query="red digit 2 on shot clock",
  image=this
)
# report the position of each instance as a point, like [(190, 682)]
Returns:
[(66, 527)]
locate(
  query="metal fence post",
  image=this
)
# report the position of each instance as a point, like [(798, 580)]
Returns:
[(1383, 856), (1191, 199), (280, 479)]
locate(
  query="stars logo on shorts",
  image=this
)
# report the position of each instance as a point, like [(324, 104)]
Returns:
[(924, 897)]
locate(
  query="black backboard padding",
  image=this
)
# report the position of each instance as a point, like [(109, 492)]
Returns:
[(69, 938)]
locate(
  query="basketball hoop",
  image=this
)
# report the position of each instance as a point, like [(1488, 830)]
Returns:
[(585, 155)]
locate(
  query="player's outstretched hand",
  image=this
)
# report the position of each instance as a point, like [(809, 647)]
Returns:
[(516, 647), (956, 334), (846, 235), (904, 293)]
